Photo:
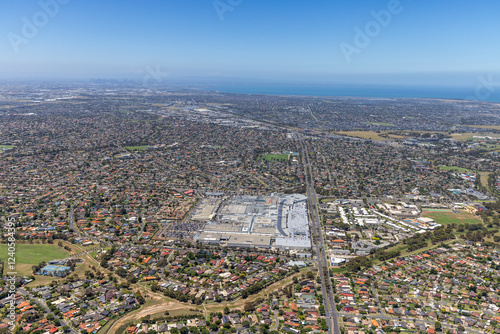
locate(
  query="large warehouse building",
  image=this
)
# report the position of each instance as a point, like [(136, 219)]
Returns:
[(277, 220)]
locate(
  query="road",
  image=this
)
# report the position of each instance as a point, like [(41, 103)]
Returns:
[(142, 224), (72, 221), (429, 323), (276, 321), (377, 300), (72, 226), (47, 310), (331, 314)]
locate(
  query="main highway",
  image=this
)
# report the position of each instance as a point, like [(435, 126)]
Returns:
[(331, 314)]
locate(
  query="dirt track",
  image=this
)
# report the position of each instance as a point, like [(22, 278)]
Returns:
[(175, 305), (168, 306)]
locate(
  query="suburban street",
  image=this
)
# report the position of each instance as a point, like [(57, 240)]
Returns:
[(47, 310), (72, 221)]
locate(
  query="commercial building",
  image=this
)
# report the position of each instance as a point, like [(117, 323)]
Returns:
[(256, 222)]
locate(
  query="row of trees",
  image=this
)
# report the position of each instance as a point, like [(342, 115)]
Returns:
[(386, 255)]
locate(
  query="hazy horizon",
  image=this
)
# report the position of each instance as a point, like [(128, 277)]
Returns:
[(368, 42)]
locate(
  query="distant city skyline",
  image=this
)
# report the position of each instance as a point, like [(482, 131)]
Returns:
[(367, 42)]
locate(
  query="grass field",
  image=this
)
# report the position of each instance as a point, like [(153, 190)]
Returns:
[(327, 200), (373, 135), (274, 157), (456, 169), (463, 136), (6, 146), (176, 313), (495, 148), (28, 255), (383, 135), (381, 124), (136, 148), (80, 268), (363, 134), (470, 135), (450, 217), (484, 178), (339, 270), (404, 249)]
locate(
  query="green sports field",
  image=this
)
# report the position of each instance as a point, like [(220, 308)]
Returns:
[(136, 148), (456, 169), (274, 157), (28, 255), (450, 217)]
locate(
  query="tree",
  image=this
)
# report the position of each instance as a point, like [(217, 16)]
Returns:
[(437, 326), (226, 310), (249, 307), (140, 298), (121, 272)]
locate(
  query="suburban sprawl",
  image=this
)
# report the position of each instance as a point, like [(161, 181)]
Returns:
[(149, 209)]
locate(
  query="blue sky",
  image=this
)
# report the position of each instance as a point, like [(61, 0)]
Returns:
[(425, 42)]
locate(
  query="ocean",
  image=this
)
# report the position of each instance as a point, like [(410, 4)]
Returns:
[(460, 93)]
